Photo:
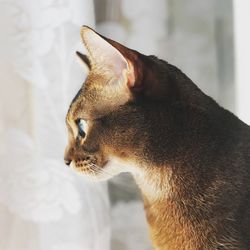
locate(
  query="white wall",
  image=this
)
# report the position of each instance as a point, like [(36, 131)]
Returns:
[(242, 58)]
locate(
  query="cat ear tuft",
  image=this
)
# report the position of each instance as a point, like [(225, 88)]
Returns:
[(103, 55), (84, 59)]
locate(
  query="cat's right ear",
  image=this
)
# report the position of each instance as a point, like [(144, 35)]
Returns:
[(84, 60)]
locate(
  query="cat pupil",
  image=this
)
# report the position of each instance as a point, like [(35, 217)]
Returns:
[(82, 127)]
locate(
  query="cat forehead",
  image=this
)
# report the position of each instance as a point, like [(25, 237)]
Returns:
[(86, 105), (95, 81), (99, 95)]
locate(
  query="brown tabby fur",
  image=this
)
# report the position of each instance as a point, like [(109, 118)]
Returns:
[(189, 156)]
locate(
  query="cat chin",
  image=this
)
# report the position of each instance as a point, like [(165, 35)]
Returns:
[(88, 174), (109, 170), (112, 168)]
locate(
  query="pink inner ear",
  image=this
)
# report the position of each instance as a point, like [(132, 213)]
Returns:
[(107, 58), (103, 54), (116, 62), (130, 75)]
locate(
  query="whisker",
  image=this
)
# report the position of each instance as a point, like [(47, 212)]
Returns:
[(120, 183), (99, 169), (95, 169), (91, 176)]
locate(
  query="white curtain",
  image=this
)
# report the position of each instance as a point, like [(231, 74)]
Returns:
[(44, 205)]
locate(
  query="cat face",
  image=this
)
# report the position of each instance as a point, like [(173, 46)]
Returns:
[(101, 118)]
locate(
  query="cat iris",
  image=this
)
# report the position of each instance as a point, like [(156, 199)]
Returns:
[(82, 127)]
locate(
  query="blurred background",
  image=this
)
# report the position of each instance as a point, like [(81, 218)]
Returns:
[(43, 204)]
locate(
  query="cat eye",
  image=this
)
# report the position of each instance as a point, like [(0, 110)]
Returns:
[(82, 127)]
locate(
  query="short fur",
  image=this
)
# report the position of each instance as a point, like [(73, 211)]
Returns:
[(189, 156)]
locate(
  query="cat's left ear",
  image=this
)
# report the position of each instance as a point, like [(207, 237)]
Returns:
[(106, 57)]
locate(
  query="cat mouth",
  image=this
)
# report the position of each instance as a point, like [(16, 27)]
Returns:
[(88, 166), (92, 171)]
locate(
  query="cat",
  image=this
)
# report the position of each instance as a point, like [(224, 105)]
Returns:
[(189, 156)]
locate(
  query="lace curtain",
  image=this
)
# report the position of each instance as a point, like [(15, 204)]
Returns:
[(44, 205)]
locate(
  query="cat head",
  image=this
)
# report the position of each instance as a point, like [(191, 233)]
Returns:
[(105, 120)]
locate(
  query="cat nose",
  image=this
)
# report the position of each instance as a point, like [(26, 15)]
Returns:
[(67, 161)]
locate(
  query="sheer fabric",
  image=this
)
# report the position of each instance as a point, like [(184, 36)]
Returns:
[(44, 205)]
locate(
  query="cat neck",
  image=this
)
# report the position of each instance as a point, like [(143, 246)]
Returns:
[(167, 211), (154, 183)]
